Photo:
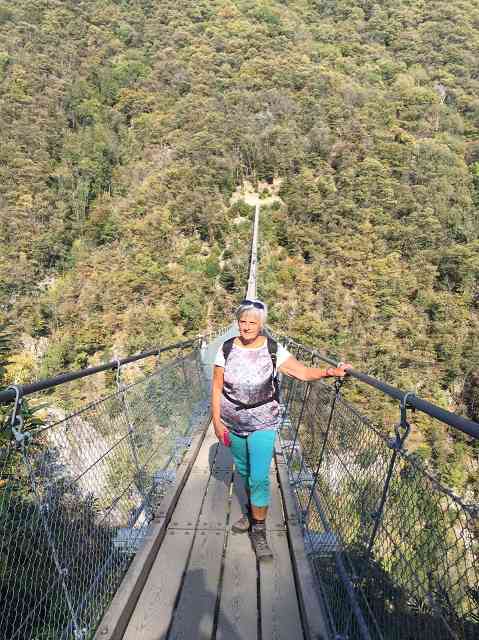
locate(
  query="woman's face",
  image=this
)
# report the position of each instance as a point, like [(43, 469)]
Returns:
[(249, 325)]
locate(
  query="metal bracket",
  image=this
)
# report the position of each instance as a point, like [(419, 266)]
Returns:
[(119, 385), (16, 420), (338, 383), (400, 439)]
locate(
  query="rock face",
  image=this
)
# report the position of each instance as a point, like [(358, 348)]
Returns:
[(80, 461)]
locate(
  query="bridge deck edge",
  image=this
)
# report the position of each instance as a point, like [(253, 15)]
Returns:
[(314, 619), (116, 618)]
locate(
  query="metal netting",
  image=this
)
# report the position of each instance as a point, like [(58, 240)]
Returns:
[(77, 496), (394, 552)]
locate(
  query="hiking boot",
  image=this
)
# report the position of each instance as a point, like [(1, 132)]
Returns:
[(242, 525), (259, 542)]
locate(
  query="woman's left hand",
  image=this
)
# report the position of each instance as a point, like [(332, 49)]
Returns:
[(340, 371)]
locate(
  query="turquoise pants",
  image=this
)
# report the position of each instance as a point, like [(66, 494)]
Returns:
[(252, 456)]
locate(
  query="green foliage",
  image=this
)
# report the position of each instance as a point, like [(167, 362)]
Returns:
[(5, 350), (5, 353), (190, 308), (126, 128)]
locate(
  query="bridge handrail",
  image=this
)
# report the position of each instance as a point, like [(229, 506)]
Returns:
[(77, 495), (411, 400), (390, 545), (9, 394)]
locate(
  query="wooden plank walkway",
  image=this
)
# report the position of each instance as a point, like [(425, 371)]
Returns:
[(205, 582)]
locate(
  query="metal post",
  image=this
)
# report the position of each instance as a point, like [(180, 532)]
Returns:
[(300, 418), (305, 401), (291, 392), (21, 438), (131, 439), (396, 445), (338, 383)]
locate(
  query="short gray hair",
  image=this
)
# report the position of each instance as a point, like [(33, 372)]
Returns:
[(247, 306)]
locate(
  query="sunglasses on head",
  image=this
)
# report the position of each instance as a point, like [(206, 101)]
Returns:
[(252, 303)]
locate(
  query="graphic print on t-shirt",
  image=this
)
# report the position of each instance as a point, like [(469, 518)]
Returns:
[(248, 379)]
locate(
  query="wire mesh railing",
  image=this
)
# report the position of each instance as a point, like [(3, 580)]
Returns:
[(77, 496), (394, 552)]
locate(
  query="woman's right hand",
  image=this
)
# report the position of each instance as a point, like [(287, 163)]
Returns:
[(219, 430)]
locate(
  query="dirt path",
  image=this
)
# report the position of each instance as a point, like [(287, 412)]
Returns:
[(248, 194)]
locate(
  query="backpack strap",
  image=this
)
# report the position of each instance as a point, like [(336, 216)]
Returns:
[(227, 347), (273, 352)]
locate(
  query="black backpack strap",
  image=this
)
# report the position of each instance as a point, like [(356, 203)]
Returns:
[(227, 346), (273, 352), (241, 405)]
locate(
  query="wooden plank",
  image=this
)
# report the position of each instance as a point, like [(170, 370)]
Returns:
[(275, 520), (188, 509), (207, 454), (194, 615), (238, 499), (224, 459), (289, 504), (238, 614), (280, 616), (214, 454), (152, 616), (313, 615), (278, 449), (214, 513), (117, 615)]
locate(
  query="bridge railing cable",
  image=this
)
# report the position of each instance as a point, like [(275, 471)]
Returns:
[(394, 552), (76, 496), (8, 395), (469, 427)]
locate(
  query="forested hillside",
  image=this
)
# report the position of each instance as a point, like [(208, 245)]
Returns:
[(128, 124)]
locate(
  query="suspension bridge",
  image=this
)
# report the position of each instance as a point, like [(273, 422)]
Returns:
[(115, 519)]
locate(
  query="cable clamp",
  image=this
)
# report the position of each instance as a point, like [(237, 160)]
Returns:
[(403, 422), (119, 385), (338, 383), (16, 420)]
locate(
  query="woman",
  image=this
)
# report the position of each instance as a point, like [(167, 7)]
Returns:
[(246, 409)]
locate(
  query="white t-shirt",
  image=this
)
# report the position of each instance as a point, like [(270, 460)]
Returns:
[(281, 356), (248, 381)]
